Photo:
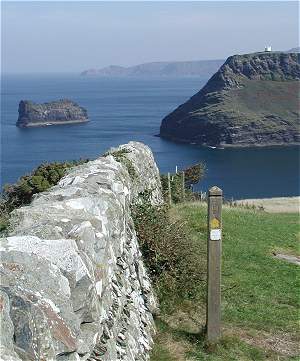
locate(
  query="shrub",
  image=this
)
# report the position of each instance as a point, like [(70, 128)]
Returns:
[(4, 217), (192, 175), (176, 187), (167, 252)]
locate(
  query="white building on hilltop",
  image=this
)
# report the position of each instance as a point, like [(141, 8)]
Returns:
[(268, 48)]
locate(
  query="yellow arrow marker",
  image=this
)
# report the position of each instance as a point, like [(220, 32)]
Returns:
[(214, 223)]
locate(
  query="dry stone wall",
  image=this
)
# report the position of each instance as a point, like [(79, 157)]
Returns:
[(73, 283)]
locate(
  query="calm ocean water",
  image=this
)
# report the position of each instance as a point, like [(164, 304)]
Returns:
[(121, 110)]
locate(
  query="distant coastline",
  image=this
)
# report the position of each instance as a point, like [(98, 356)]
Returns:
[(199, 68)]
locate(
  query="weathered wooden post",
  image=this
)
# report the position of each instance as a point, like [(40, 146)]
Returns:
[(169, 189), (214, 251), (183, 186)]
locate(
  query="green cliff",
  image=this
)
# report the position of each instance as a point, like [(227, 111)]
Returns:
[(252, 100)]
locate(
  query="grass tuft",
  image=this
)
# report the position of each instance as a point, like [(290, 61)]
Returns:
[(120, 156)]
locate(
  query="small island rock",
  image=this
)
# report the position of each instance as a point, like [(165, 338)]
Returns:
[(53, 113)]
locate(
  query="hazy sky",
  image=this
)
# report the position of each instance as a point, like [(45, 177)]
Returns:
[(71, 36)]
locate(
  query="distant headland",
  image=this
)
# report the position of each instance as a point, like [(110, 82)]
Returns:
[(192, 68), (58, 112), (200, 68), (252, 100)]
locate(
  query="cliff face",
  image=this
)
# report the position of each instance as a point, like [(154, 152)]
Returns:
[(73, 283), (251, 100), (54, 113)]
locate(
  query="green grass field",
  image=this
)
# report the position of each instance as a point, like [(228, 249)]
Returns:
[(260, 294)]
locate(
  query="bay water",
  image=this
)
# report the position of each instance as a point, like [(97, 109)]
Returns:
[(125, 109)]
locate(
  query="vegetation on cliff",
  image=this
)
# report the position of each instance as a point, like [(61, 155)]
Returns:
[(252, 100)]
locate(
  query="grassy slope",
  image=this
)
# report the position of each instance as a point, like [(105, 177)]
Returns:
[(262, 98), (275, 97), (260, 299), (255, 100)]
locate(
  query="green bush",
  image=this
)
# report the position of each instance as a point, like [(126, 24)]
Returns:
[(167, 252), (192, 175), (176, 187), (4, 217)]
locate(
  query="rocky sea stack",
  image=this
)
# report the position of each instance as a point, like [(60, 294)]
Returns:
[(54, 113), (252, 100)]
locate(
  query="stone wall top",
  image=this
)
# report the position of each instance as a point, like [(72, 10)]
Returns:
[(73, 283)]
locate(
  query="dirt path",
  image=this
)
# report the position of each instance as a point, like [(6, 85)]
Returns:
[(275, 205), (288, 258)]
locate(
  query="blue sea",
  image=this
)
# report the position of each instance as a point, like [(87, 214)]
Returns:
[(125, 109)]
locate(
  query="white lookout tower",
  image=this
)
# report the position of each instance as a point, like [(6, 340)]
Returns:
[(268, 48)]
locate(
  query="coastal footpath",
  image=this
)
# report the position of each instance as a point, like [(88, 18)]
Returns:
[(274, 205), (58, 112), (73, 283), (252, 100)]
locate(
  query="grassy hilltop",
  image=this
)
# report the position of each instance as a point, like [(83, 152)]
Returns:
[(260, 300), (252, 100)]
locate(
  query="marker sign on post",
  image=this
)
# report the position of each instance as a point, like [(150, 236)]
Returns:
[(213, 311), (215, 230), (215, 235)]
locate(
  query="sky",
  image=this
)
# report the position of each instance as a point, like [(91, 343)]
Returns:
[(72, 36)]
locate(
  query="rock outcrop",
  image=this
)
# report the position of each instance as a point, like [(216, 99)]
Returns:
[(252, 100), (73, 283), (54, 113)]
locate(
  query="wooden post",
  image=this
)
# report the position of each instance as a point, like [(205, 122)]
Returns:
[(169, 189), (214, 251), (183, 186)]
